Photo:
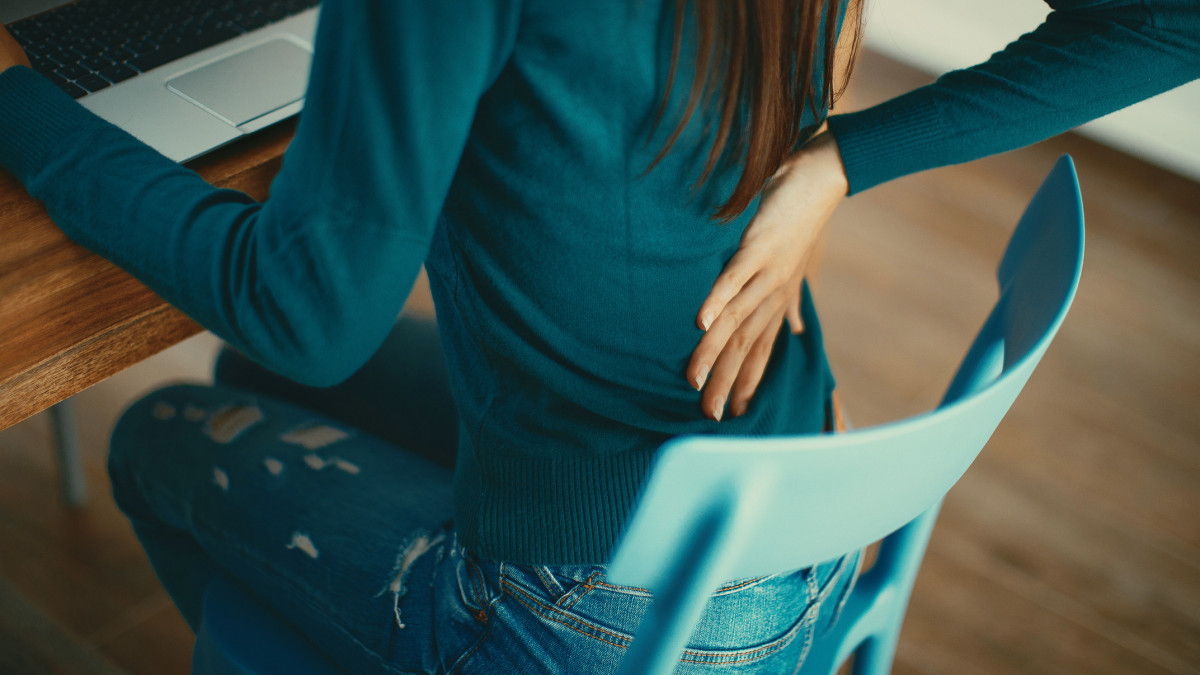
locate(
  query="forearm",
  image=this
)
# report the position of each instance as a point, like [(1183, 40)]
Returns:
[(1087, 59), (310, 282), (263, 277)]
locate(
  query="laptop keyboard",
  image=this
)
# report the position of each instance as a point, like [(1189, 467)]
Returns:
[(92, 44)]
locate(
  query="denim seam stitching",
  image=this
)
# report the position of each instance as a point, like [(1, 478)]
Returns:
[(548, 616), (477, 595), (809, 633), (845, 595), (576, 595), (824, 591), (717, 657), (638, 591), (479, 585), (484, 607), (466, 597), (738, 586), (462, 660), (722, 658), (549, 581), (625, 590), (814, 596)]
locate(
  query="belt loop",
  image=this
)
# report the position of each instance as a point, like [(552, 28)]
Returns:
[(547, 577)]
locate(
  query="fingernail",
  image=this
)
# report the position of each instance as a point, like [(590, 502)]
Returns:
[(700, 378), (706, 320), (720, 409), (738, 408)]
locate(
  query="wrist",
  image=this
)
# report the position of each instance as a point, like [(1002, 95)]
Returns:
[(824, 153), (817, 167)]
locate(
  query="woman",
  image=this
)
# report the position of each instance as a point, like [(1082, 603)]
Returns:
[(562, 194)]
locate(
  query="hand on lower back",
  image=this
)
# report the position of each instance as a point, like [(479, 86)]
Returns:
[(760, 285)]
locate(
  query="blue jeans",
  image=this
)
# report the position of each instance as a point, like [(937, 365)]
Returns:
[(349, 536)]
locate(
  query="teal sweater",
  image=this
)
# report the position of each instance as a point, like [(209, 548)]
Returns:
[(504, 144)]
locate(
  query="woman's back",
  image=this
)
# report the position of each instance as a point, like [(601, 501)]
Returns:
[(567, 279)]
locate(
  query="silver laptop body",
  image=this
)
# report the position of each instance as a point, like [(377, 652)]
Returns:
[(206, 99)]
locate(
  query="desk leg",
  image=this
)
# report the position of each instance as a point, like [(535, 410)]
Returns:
[(70, 461)]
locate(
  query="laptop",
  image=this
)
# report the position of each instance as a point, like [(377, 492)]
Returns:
[(184, 76)]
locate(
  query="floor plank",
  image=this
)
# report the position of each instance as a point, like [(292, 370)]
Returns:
[(159, 643), (967, 622), (32, 643)]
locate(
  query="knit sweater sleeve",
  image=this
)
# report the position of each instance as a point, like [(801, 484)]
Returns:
[(310, 281), (1089, 58)]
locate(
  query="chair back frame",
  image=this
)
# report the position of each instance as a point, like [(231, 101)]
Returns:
[(718, 508)]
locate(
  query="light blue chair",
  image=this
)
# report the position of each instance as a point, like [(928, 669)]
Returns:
[(721, 508), (718, 508)]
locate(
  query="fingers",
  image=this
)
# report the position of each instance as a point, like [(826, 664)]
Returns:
[(753, 297), (747, 343), (731, 358), (740, 269), (752, 369)]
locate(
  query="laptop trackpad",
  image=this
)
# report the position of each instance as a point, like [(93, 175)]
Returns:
[(248, 84)]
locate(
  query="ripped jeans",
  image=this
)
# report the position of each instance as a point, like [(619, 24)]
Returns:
[(349, 537)]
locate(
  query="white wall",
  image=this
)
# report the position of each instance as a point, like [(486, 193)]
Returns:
[(941, 35)]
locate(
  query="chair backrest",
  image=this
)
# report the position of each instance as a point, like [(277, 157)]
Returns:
[(718, 508)]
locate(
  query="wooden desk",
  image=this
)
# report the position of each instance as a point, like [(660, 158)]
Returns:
[(68, 318)]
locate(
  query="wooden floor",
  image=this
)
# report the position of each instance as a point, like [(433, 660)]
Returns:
[(1071, 546)]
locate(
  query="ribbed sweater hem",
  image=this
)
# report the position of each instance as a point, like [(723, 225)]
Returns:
[(547, 511)]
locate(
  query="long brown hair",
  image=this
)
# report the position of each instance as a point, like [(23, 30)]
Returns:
[(756, 57)]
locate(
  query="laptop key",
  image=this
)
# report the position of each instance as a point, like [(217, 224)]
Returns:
[(154, 59), (72, 72), (55, 78), (253, 19), (26, 32), (169, 53), (144, 44), (92, 82), (63, 58), (117, 73), (96, 63), (119, 54), (116, 38), (42, 66), (276, 12), (72, 90)]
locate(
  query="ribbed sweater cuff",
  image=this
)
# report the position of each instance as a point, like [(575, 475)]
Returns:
[(35, 116), (895, 138)]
